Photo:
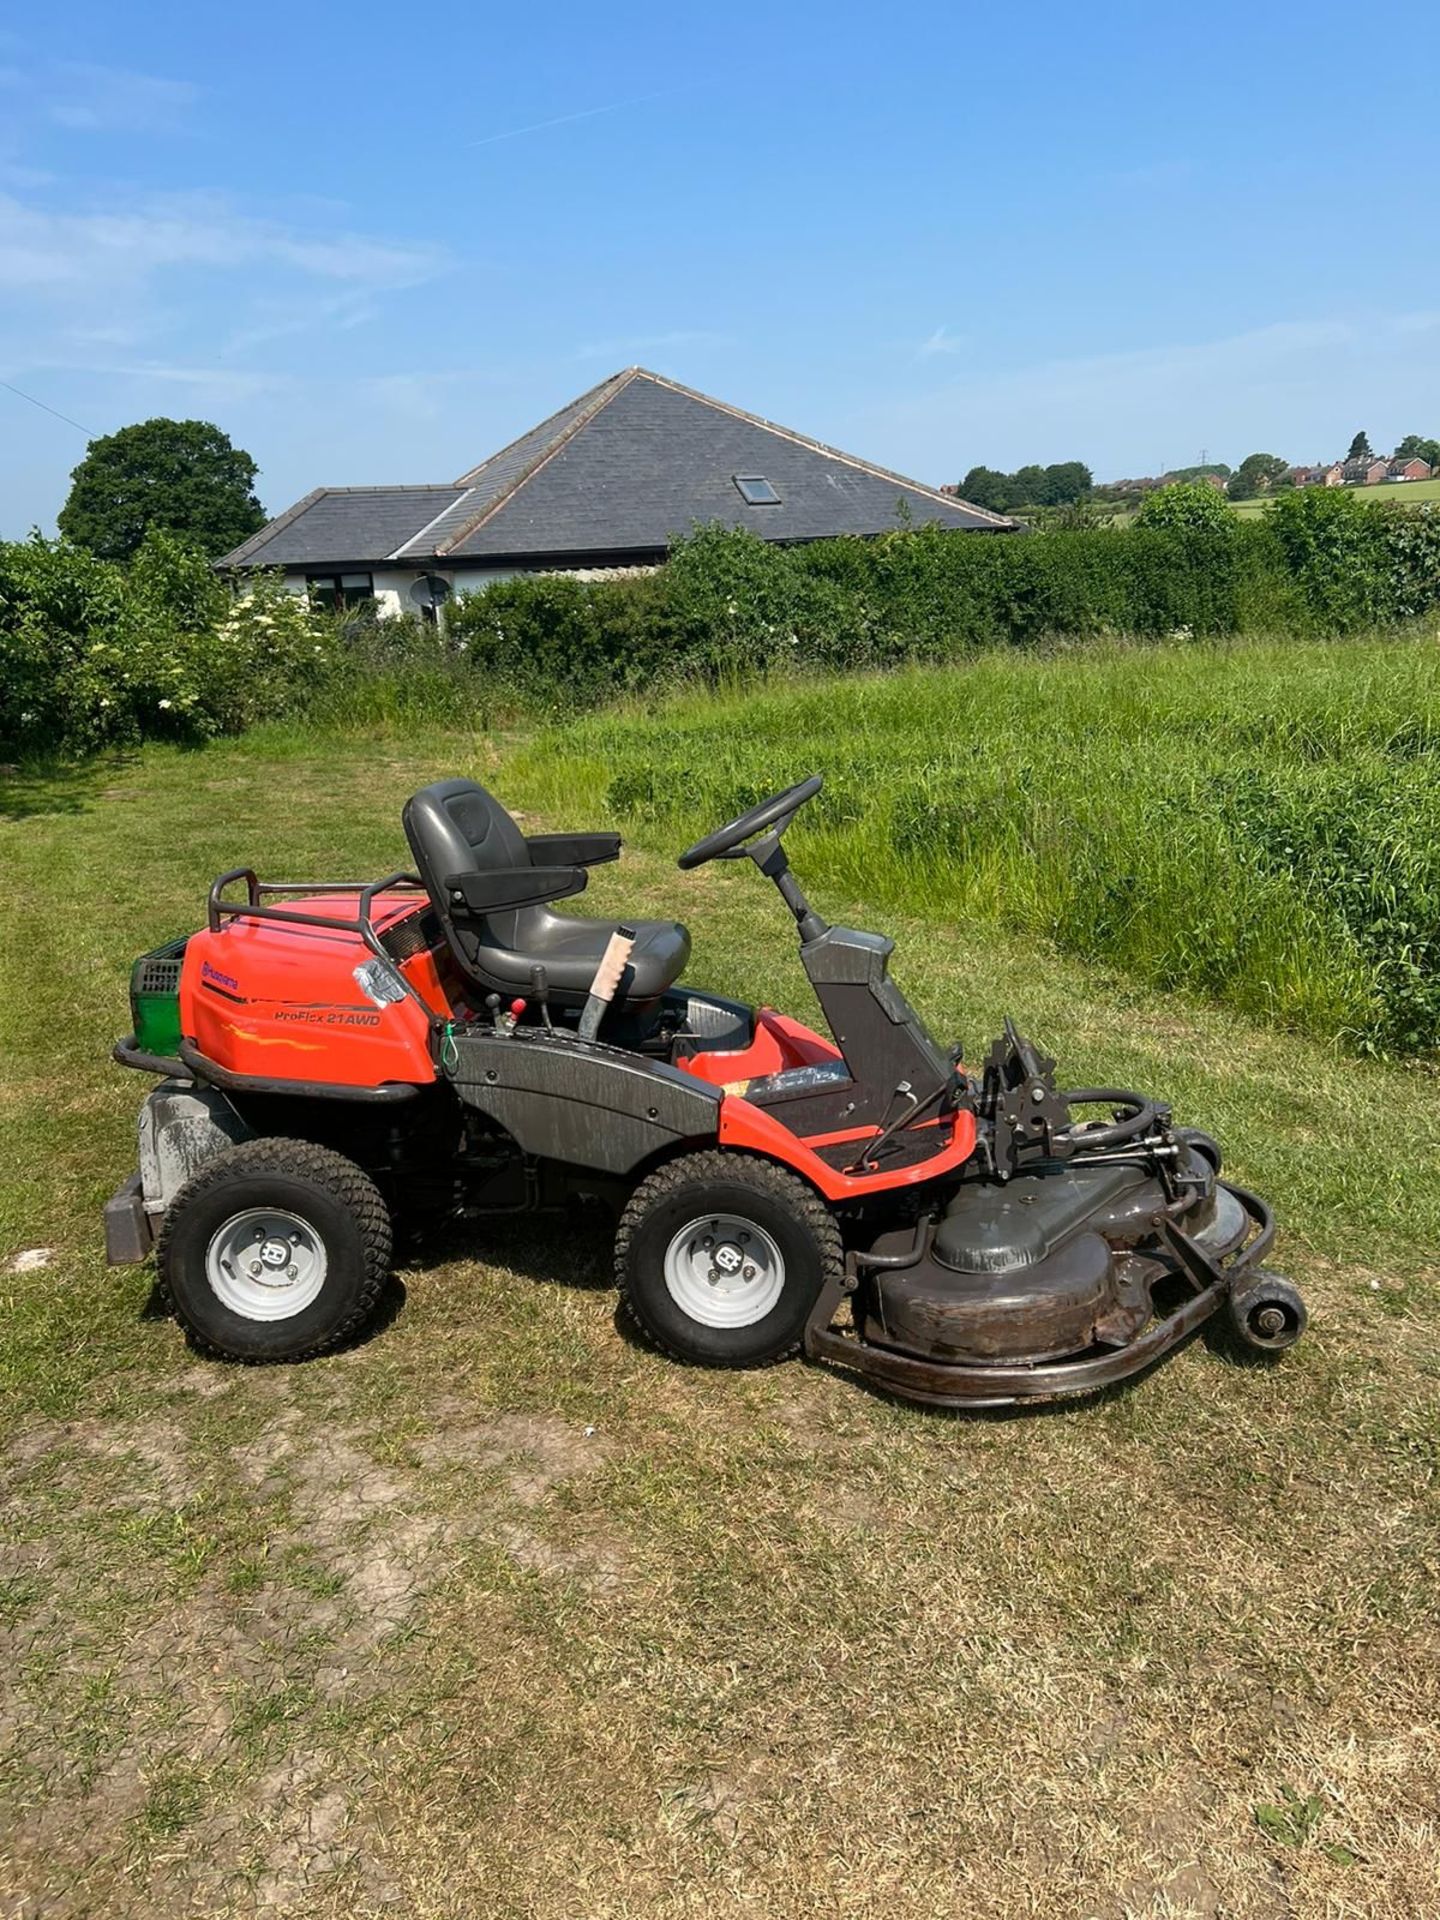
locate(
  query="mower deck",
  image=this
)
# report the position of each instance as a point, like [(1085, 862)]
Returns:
[(954, 1383)]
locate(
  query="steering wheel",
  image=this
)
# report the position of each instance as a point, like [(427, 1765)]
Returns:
[(726, 842)]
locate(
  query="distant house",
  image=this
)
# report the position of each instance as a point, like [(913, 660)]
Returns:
[(1412, 469), (1364, 473), (1308, 476), (608, 482)]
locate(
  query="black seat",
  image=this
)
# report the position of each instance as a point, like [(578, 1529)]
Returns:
[(457, 832)]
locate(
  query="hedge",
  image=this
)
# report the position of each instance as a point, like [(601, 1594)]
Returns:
[(727, 605), (91, 652)]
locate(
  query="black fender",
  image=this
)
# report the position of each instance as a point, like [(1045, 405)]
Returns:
[(580, 1102)]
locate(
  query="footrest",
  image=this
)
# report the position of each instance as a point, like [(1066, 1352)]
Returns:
[(129, 1233)]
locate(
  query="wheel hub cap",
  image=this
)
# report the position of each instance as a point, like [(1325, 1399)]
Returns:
[(724, 1271), (266, 1264)]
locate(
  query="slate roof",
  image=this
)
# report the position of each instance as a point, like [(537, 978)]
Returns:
[(334, 525), (625, 469)]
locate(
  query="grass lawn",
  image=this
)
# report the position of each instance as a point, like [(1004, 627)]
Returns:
[(1251, 819), (1410, 493), (498, 1614)]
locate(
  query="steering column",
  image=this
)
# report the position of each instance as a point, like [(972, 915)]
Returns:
[(757, 836)]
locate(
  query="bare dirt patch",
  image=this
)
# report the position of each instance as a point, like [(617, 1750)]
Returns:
[(535, 1452), (208, 1672)]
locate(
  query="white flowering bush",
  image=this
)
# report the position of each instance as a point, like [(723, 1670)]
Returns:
[(266, 654), (92, 653)]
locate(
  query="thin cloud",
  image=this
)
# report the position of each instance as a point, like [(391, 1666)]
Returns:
[(162, 294), (1145, 370), (587, 113), (1291, 386), (84, 98), (942, 341), (42, 250), (274, 320), (224, 382)]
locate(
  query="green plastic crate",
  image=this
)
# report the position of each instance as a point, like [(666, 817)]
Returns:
[(155, 999)]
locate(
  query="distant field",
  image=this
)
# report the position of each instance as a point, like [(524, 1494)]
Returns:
[(1409, 492)]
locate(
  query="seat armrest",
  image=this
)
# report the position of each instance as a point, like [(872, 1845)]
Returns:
[(508, 887), (573, 849)]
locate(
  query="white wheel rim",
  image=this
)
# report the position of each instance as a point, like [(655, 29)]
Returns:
[(266, 1264), (724, 1271)]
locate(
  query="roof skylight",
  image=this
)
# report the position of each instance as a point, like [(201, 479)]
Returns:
[(755, 490)]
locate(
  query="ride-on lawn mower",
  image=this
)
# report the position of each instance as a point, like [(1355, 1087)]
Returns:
[(332, 1056)]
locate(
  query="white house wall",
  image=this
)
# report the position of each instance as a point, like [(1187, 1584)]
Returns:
[(392, 585)]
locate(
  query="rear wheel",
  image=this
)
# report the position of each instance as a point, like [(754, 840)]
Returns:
[(720, 1258), (275, 1250)]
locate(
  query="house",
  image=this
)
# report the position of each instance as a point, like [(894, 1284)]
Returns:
[(608, 482), (1315, 476), (1412, 469), (1364, 473)]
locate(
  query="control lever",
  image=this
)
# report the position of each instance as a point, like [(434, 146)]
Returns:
[(613, 963), (870, 1150), (540, 993)]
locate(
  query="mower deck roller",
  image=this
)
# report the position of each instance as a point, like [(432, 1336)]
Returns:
[(336, 1057)]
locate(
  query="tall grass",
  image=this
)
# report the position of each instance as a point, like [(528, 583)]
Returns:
[(1254, 821)]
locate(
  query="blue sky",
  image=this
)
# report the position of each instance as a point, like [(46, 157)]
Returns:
[(374, 243)]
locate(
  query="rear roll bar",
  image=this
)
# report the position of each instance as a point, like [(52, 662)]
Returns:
[(218, 909), (251, 907)]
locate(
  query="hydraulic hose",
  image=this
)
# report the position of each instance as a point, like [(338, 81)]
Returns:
[(1138, 1120)]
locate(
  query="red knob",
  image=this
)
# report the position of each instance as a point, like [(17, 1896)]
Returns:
[(517, 1007)]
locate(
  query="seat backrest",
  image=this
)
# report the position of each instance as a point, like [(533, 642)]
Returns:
[(456, 827)]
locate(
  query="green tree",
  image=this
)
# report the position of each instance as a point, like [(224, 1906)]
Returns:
[(1415, 446), (984, 487), (182, 477), (1066, 482), (1360, 448), (1176, 474), (1028, 486), (1190, 506), (1258, 473)]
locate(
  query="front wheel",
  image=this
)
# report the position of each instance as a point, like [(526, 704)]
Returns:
[(720, 1258), (275, 1250), (1267, 1314)]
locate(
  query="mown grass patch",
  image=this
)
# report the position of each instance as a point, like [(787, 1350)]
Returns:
[(497, 1613)]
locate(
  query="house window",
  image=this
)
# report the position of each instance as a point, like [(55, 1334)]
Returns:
[(332, 590), (755, 490)]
